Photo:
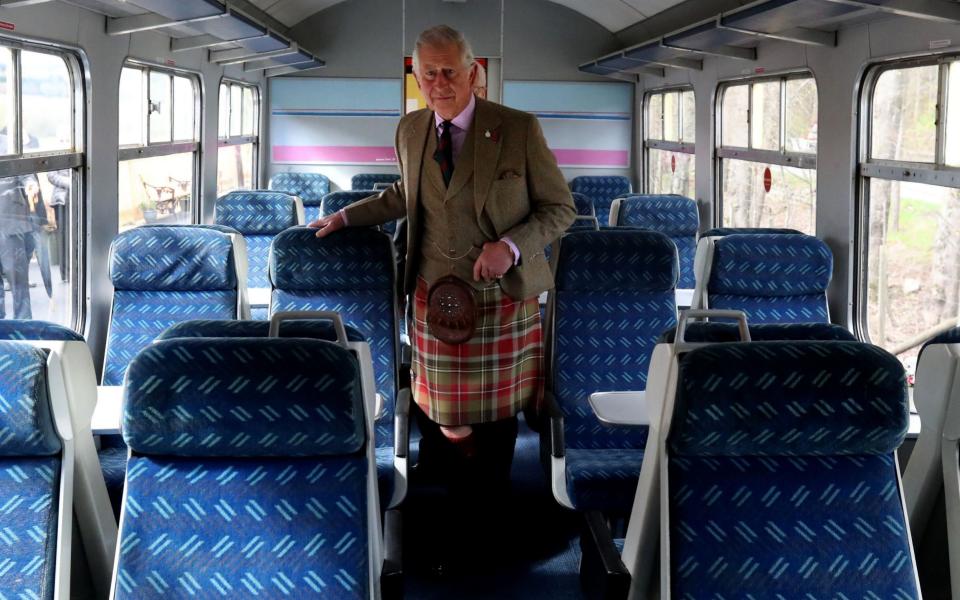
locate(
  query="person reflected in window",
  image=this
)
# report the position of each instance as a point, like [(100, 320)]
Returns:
[(15, 228), (39, 241), (57, 213)]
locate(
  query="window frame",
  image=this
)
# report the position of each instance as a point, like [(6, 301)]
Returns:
[(781, 157), (937, 173), (227, 140), (75, 160), (661, 144)]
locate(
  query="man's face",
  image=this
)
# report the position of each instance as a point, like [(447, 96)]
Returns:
[(445, 81)]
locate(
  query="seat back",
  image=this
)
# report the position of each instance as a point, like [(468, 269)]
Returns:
[(601, 189), (774, 278), (935, 393), (367, 181), (675, 216), (314, 329), (614, 295), (780, 476), (259, 216), (36, 490), (309, 187), (162, 275), (247, 480), (350, 272)]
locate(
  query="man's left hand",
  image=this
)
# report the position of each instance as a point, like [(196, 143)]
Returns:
[(495, 259)]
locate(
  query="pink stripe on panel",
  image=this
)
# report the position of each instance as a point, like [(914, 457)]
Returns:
[(569, 157), (335, 154)]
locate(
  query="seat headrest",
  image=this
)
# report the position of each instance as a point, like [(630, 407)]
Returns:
[(672, 215), (770, 265), (27, 329), (334, 201), (366, 181), (950, 336), (789, 399), (600, 186), (764, 332), (317, 329), (26, 424), (172, 259), (584, 205), (310, 187), (617, 260), (256, 212), (243, 397), (352, 259), (723, 231)]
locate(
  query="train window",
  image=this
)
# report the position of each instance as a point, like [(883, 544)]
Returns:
[(40, 112), (909, 289), (238, 125), (768, 153), (159, 146), (669, 142)]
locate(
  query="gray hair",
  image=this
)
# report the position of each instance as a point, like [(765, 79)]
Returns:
[(439, 36)]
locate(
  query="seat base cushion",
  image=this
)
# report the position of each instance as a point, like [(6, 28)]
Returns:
[(604, 480)]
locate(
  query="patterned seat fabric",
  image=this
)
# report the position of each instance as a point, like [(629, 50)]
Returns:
[(366, 181), (352, 273), (309, 187), (14, 329), (584, 205), (774, 278), (30, 455), (244, 482), (675, 216), (770, 332), (723, 231), (258, 216), (601, 190), (782, 479), (334, 201), (614, 295), (161, 276), (314, 329)]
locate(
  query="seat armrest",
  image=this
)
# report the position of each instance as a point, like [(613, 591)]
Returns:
[(602, 572), (554, 416), (401, 424), (391, 576)]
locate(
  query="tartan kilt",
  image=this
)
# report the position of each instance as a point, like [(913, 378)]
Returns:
[(491, 376)]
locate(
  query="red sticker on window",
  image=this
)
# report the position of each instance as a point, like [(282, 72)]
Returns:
[(673, 163), (7, 26), (767, 179)]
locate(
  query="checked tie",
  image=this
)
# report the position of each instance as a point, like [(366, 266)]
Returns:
[(444, 153)]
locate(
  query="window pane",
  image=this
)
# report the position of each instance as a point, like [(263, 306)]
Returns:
[(671, 173), (671, 116), (655, 118), (234, 168), (236, 104), (8, 107), (159, 107), (156, 190), (953, 116), (46, 294), (801, 115), (791, 201), (132, 94), (689, 116), (223, 125), (183, 109), (903, 123), (248, 111), (765, 120), (913, 262), (734, 115), (47, 103)]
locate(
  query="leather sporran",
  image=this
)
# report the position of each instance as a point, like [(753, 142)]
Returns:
[(451, 310)]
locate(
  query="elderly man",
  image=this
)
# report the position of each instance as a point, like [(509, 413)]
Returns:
[(483, 195)]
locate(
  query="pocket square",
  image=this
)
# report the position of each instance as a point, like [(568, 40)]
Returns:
[(510, 175)]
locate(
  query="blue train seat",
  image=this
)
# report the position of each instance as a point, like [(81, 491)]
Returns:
[(675, 216), (614, 295), (36, 490), (334, 201), (367, 181), (248, 481), (601, 189), (774, 278), (352, 272), (309, 187)]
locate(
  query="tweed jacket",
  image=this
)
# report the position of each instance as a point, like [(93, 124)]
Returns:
[(516, 183)]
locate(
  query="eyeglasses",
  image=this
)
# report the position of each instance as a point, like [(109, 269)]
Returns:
[(448, 74)]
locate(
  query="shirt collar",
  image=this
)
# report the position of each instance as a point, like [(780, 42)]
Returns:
[(464, 119)]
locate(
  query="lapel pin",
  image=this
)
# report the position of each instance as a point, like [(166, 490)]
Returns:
[(486, 133)]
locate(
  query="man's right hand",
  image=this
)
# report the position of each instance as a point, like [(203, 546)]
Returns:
[(329, 224)]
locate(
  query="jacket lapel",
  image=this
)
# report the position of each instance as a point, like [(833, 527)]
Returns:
[(486, 151), (414, 159)]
